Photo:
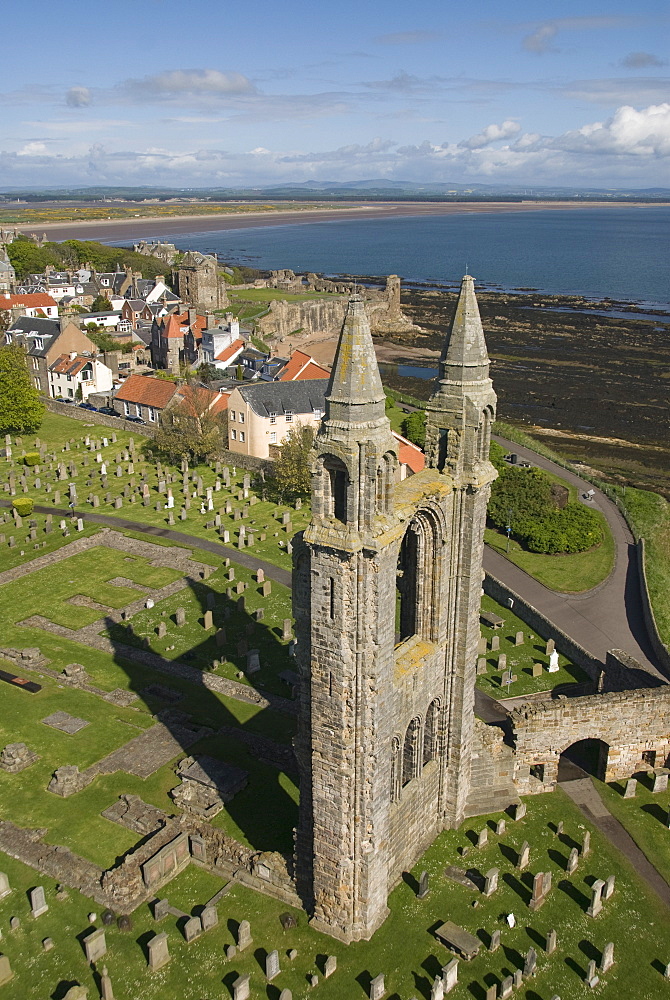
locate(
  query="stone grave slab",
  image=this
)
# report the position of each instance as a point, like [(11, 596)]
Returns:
[(66, 723), (458, 940)]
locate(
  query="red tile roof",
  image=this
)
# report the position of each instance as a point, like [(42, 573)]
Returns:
[(199, 400), (37, 300), (313, 371), (65, 365), (175, 325), (231, 351), (296, 363), (409, 454), (147, 391)]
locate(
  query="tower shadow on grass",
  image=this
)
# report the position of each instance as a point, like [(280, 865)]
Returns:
[(266, 820)]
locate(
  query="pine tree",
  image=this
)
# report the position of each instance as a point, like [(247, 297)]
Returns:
[(21, 410)]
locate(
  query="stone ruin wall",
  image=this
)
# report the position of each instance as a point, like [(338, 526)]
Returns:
[(629, 722)]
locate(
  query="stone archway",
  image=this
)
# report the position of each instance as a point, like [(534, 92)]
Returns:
[(582, 758)]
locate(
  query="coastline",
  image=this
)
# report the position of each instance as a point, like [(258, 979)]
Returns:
[(155, 227)]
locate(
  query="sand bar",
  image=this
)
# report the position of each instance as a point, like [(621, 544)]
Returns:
[(157, 228)]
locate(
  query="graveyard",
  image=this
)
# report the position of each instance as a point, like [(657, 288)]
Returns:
[(164, 712)]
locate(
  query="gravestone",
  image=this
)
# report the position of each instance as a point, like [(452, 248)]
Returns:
[(660, 782), (5, 887), (377, 987), (272, 969), (285, 995), (106, 991), (161, 630), (424, 889), (518, 639), (524, 856), (495, 642), (159, 954), (491, 881), (573, 861), (494, 943), (553, 667), (550, 647), (244, 938), (538, 897), (483, 837), (530, 963), (492, 992), (481, 666), (437, 989), (38, 904), (330, 966), (586, 843), (180, 617), (591, 975), (520, 811), (208, 620), (192, 929), (631, 788), (253, 662), (450, 975), (266, 590), (161, 909), (482, 646), (501, 826), (596, 903), (506, 988), (607, 960), (609, 887), (241, 990), (5, 970), (537, 670), (502, 662), (209, 917), (551, 942), (95, 945), (287, 629)]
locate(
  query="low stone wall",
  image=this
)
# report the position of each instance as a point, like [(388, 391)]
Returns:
[(91, 417), (659, 647)]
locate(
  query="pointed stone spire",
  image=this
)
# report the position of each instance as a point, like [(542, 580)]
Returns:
[(355, 393), (465, 358)]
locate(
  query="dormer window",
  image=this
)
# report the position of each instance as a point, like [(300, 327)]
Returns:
[(38, 343)]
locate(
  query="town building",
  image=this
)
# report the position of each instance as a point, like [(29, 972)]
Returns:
[(200, 283), (37, 304), (76, 376), (261, 414), (147, 398), (222, 345), (44, 341)]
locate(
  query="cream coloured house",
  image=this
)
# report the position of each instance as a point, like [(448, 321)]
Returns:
[(260, 415)]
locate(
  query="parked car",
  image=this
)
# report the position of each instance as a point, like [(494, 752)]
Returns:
[(62, 399), (135, 420), (109, 410), (88, 406)]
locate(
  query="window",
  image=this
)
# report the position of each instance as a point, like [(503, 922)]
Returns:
[(38, 343), (38, 384), (289, 416), (8, 338), (138, 409), (36, 363), (69, 377), (152, 413), (273, 437), (273, 418), (241, 435), (70, 392), (410, 751), (318, 414), (232, 414), (241, 417), (126, 409), (233, 435)]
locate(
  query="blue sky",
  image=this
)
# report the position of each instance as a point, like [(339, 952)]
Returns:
[(203, 93)]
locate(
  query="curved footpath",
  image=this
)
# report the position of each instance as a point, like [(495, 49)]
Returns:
[(610, 615)]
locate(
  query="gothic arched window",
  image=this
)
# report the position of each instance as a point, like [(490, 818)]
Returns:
[(336, 487), (411, 752), (431, 732), (417, 579)]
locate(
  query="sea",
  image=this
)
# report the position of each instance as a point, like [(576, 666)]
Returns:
[(620, 253)]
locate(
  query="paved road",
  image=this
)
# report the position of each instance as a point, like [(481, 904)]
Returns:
[(607, 617)]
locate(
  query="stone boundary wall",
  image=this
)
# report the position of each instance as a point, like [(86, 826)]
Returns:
[(89, 417), (659, 647), (629, 722), (620, 672)]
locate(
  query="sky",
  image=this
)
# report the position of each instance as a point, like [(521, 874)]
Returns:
[(199, 93)]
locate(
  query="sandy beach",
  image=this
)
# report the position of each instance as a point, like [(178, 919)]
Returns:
[(157, 228)]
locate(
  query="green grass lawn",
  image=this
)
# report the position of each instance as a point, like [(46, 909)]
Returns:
[(520, 659), (47, 591), (404, 948), (269, 294), (570, 573), (650, 515), (645, 817), (264, 516)]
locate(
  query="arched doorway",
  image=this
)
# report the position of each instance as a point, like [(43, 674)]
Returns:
[(585, 757)]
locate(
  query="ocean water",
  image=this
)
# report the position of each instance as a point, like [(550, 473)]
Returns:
[(621, 253)]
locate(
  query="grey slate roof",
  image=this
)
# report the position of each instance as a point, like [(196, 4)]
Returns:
[(35, 326), (297, 397)]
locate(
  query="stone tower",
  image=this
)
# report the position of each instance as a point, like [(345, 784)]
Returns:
[(199, 282), (387, 581)]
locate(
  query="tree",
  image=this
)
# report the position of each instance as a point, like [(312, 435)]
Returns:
[(414, 428), (101, 304), (189, 429), (292, 468), (21, 410)]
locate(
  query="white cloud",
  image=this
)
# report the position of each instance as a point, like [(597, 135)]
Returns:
[(78, 97), (540, 39), (630, 148), (543, 34), (492, 133), (181, 82)]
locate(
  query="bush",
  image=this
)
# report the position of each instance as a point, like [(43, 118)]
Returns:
[(31, 458), (23, 506), (414, 428)]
